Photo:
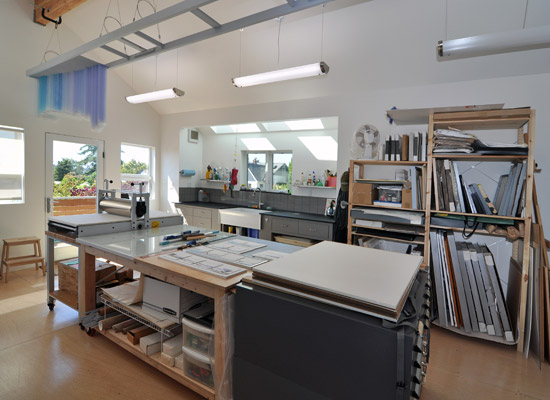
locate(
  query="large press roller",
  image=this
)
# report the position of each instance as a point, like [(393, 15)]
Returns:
[(114, 214), (136, 207)]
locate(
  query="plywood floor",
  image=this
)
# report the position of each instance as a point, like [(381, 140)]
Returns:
[(45, 355)]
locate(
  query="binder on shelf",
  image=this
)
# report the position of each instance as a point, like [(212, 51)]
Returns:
[(474, 288), (457, 270), (489, 292), (500, 303), (500, 191), (467, 288), (487, 200), (438, 278), (481, 289), (449, 186)]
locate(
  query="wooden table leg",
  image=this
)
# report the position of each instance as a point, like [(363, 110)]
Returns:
[(221, 312), (86, 282)]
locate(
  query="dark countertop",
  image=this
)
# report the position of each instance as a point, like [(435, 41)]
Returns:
[(299, 215), (285, 214), (207, 204)]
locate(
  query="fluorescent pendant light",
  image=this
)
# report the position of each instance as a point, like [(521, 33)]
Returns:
[(154, 96), (493, 43), (302, 71)]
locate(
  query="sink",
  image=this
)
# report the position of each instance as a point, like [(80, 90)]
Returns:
[(243, 217)]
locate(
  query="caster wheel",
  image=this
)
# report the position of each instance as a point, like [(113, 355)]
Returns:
[(51, 306), (90, 331), (81, 326)]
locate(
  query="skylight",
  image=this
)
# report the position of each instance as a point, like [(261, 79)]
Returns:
[(323, 148), (239, 128), (305, 124), (257, 144)]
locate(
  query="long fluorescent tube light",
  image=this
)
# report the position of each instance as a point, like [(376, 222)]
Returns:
[(302, 71), (154, 96), (492, 43)]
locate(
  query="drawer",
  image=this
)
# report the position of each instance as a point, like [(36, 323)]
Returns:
[(188, 219), (317, 230), (200, 222), (284, 225), (202, 212)]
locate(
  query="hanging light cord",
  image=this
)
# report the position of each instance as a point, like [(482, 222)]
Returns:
[(54, 31), (525, 15), (322, 30), (280, 19)]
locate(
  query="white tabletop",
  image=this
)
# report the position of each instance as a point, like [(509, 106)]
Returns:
[(368, 275), (140, 243)]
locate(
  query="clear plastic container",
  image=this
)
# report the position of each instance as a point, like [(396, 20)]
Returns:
[(197, 366), (196, 336)]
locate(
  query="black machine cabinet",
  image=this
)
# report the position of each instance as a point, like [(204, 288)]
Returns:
[(288, 347)]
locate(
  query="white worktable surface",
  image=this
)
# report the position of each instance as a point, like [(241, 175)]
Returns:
[(140, 243)]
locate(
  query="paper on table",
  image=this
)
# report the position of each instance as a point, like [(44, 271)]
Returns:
[(129, 293), (270, 254)]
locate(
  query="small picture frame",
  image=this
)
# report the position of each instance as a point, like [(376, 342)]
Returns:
[(330, 207), (193, 136)]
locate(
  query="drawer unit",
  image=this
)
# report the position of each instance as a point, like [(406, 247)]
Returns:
[(284, 225), (197, 366), (201, 222), (197, 337), (314, 230), (202, 212)]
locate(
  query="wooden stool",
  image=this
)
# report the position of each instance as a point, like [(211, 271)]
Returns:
[(35, 258)]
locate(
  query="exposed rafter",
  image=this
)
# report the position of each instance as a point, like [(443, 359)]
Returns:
[(59, 63), (53, 9)]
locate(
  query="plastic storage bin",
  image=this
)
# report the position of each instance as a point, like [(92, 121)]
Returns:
[(197, 366), (196, 336)]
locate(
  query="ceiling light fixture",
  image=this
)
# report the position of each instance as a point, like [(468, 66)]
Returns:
[(303, 71), (492, 43), (154, 96)]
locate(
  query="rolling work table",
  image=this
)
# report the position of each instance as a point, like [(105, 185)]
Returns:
[(140, 250)]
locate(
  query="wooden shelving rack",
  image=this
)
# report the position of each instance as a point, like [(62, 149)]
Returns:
[(520, 119)]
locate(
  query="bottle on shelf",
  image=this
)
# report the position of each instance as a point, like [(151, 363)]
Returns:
[(309, 180), (302, 180), (313, 181)]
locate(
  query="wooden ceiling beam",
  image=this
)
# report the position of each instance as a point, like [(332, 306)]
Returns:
[(54, 9)]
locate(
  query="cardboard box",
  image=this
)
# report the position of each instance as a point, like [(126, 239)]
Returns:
[(406, 198), (136, 334), (170, 300), (363, 193), (150, 344), (68, 274)]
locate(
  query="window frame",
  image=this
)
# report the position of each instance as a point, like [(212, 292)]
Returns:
[(269, 155), (21, 131), (150, 177)]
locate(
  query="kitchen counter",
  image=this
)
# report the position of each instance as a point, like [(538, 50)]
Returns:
[(303, 216), (207, 204)]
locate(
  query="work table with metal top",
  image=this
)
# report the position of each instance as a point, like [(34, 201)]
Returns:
[(141, 251)]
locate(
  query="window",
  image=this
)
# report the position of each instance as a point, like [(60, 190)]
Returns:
[(269, 170), (136, 166), (12, 165)]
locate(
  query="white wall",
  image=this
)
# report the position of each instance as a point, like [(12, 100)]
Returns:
[(23, 45)]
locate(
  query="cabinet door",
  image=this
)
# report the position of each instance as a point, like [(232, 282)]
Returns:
[(200, 222), (284, 225), (187, 212), (202, 212), (314, 230), (216, 220)]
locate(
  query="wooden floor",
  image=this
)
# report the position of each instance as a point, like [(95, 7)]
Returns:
[(45, 355)]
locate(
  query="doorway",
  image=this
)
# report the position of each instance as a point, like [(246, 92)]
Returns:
[(74, 166)]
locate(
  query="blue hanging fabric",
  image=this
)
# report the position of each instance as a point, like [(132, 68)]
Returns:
[(78, 93)]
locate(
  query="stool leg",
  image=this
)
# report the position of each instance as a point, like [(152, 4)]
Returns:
[(7, 257), (43, 261), (35, 253), (2, 262)]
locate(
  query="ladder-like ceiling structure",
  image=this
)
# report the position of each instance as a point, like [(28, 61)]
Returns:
[(74, 60)]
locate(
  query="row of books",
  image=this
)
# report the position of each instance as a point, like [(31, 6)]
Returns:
[(406, 147), (468, 291), (453, 193)]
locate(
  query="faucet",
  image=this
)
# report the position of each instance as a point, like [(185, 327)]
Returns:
[(259, 196)]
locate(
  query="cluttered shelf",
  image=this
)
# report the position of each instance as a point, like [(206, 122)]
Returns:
[(392, 237), (490, 119), (154, 360), (386, 162), (479, 231), (390, 227), (480, 157), (496, 217), (386, 207)]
